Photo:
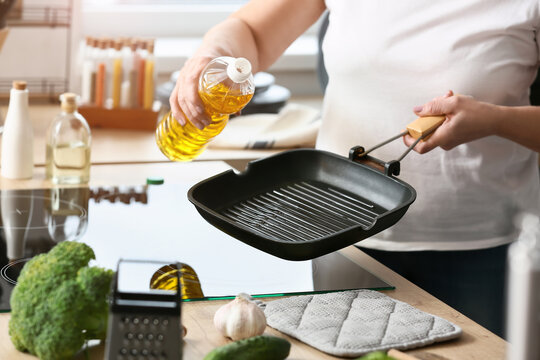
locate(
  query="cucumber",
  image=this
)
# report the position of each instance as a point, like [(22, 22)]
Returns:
[(262, 347), (376, 355)]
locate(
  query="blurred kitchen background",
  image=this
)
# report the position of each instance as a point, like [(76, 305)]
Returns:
[(46, 37)]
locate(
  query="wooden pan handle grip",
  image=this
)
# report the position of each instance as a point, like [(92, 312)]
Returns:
[(424, 125)]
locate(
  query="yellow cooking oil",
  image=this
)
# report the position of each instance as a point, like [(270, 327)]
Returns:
[(165, 278), (68, 163), (221, 97)]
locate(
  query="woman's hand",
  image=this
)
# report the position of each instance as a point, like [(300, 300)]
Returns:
[(186, 105), (259, 31), (466, 120)]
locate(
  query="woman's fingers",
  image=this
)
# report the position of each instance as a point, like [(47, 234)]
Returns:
[(438, 106), (189, 113), (175, 108), (442, 105), (467, 119), (422, 147), (186, 105), (444, 137)]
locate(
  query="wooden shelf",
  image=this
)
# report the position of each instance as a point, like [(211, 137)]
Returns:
[(134, 119), (52, 16), (38, 88), (40, 16)]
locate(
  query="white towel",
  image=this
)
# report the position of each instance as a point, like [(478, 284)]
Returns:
[(294, 126)]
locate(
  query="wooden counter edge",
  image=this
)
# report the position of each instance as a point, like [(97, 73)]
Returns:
[(475, 343)]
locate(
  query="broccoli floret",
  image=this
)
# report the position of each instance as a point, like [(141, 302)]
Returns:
[(59, 302)]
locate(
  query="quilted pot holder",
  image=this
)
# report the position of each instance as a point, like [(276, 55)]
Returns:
[(353, 323)]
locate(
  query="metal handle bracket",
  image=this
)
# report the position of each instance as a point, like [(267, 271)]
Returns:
[(389, 168), (420, 129)]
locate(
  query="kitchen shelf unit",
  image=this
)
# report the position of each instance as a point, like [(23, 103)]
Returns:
[(39, 88), (57, 16)]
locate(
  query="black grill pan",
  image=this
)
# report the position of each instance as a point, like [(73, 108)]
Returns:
[(305, 203)]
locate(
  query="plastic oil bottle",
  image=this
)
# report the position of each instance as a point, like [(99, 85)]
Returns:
[(68, 145), (225, 87)]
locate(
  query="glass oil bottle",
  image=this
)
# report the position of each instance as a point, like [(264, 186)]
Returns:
[(68, 145), (225, 87)]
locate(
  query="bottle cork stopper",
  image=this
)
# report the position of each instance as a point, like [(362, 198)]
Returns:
[(19, 85), (118, 45), (68, 102), (150, 46), (103, 43), (89, 40)]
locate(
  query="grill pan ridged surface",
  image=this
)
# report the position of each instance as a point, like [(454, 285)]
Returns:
[(303, 211), (302, 204)]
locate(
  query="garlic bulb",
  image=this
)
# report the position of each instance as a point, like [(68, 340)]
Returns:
[(240, 318)]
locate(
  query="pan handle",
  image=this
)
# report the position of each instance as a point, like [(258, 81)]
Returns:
[(420, 129), (424, 126)]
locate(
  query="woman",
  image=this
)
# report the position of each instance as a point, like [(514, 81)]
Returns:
[(473, 175)]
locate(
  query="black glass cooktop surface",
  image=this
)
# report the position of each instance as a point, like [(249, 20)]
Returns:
[(157, 222)]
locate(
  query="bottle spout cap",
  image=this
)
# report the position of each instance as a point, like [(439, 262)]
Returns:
[(239, 70)]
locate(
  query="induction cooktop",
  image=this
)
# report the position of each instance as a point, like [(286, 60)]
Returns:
[(157, 222)]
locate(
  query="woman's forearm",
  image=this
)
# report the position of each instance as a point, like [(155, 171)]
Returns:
[(520, 124), (261, 30), (232, 37)]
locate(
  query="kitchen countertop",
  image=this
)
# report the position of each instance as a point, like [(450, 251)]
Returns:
[(117, 146), (128, 158), (475, 343)]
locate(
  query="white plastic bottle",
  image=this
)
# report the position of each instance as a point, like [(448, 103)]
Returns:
[(127, 68), (523, 293), (88, 73), (17, 160)]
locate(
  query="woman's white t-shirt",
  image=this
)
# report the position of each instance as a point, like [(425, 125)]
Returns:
[(385, 57)]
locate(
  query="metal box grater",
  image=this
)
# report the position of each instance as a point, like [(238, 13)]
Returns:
[(143, 323)]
